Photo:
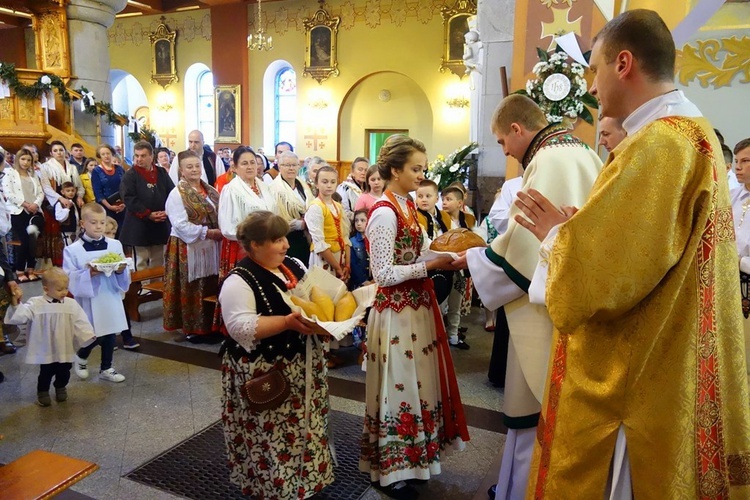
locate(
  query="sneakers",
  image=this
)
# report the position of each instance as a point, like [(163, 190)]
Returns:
[(81, 367), (61, 394), (111, 375), (131, 345), (43, 399), (461, 345)]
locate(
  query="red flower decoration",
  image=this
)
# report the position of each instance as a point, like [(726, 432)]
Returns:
[(406, 418), (413, 453)]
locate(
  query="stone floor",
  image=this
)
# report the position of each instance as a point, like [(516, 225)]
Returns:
[(173, 391)]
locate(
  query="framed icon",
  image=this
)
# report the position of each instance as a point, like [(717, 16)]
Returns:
[(455, 26), (163, 68), (321, 32), (227, 113)]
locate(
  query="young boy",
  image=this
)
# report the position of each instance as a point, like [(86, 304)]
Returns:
[(453, 201), (98, 294), (55, 322), (68, 217), (434, 222)]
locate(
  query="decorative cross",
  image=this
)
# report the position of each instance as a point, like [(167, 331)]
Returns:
[(312, 141)]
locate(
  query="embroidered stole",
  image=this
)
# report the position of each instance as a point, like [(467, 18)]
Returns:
[(202, 255)]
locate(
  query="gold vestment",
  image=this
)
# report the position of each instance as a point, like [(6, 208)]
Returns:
[(643, 293)]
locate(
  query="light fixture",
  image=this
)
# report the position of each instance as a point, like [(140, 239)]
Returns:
[(319, 104), (458, 102), (129, 14), (191, 7), (259, 41), (138, 4)]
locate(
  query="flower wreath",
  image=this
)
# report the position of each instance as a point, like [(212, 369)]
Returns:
[(560, 88)]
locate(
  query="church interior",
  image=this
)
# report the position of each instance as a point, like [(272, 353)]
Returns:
[(333, 78)]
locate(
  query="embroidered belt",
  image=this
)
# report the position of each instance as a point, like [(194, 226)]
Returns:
[(412, 293)]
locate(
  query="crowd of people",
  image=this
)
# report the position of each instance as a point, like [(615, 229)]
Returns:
[(615, 291)]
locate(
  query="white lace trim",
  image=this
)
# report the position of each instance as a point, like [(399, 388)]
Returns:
[(244, 333)]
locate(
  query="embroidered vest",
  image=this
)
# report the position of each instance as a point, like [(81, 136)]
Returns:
[(412, 293), (331, 229), (268, 302), (426, 220)]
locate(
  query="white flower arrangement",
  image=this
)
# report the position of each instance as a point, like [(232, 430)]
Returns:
[(444, 171), (567, 97), (45, 80)]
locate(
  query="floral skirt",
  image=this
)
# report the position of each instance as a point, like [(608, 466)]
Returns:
[(269, 455), (184, 306), (404, 430)]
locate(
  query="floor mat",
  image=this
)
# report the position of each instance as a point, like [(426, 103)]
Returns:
[(196, 468)]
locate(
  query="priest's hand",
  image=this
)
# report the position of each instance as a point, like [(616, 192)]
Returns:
[(541, 214)]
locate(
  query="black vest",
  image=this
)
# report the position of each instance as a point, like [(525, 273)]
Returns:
[(268, 302)]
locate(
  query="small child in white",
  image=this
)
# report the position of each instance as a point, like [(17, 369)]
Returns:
[(98, 294), (68, 217), (55, 323)]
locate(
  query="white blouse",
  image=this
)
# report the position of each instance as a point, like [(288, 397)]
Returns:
[(53, 170), (238, 200), (381, 232), (181, 226), (13, 190), (239, 310)]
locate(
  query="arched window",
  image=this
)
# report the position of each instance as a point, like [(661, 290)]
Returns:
[(285, 106), (199, 103), (205, 106)]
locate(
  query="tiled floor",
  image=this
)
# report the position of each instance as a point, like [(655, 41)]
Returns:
[(173, 391)]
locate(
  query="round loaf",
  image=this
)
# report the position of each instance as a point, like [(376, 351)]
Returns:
[(457, 240)]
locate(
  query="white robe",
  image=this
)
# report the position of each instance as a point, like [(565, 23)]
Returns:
[(99, 296), (53, 329)]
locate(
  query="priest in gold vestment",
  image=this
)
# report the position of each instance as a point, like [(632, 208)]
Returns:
[(642, 288)]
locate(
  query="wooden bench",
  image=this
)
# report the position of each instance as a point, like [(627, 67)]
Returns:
[(41, 474), (140, 293)]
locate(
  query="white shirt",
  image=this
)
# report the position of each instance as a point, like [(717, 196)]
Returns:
[(740, 198), (13, 190), (500, 210), (238, 200)]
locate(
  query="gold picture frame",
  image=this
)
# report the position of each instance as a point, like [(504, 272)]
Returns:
[(163, 66), (455, 26), (321, 34), (227, 114)]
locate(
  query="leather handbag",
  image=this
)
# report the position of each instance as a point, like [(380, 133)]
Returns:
[(267, 391)]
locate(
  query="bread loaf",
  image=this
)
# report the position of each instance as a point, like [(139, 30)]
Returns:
[(457, 240)]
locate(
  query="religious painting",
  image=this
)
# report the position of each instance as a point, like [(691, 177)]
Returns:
[(455, 27), (163, 68), (227, 113), (321, 32)]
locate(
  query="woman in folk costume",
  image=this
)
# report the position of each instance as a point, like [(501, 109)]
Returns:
[(52, 174), (329, 227), (413, 406), (192, 255), (280, 452), (243, 195), (293, 197), (351, 189)]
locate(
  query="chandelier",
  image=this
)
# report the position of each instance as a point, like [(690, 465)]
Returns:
[(259, 41)]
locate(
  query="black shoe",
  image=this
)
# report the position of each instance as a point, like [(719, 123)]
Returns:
[(7, 347), (463, 329), (461, 345), (2, 377), (404, 492), (461, 336), (417, 482), (492, 492)]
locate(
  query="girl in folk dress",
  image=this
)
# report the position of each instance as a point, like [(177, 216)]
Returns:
[(373, 189), (329, 227), (413, 407), (192, 256), (281, 453)]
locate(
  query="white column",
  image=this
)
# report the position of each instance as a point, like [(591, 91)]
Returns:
[(88, 21), (496, 18)]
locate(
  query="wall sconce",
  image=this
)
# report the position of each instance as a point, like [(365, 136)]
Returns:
[(319, 104), (458, 102)]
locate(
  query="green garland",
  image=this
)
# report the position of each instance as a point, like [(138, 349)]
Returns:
[(9, 75)]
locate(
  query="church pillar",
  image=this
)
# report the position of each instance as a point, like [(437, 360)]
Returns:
[(88, 21)]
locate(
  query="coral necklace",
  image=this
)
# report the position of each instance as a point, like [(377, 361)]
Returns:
[(291, 279)]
